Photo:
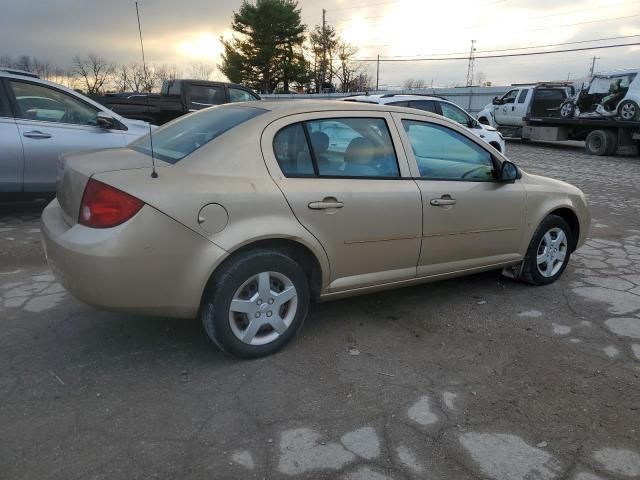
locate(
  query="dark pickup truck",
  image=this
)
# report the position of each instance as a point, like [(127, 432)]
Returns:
[(176, 98)]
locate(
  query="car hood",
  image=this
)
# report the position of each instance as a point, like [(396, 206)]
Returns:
[(136, 128), (550, 183)]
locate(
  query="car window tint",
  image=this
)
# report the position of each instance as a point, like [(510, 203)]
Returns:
[(523, 95), (201, 96), (45, 104), (444, 154), (426, 105), (174, 141), (399, 104), (238, 95), (454, 113), (292, 151), (353, 147)]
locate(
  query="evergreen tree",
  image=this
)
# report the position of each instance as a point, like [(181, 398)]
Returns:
[(267, 50)]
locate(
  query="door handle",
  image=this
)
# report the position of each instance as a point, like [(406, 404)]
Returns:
[(443, 201), (36, 134), (513, 108), (326, 204)]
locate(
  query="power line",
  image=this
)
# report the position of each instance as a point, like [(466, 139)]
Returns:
[(525, 54), (532, 29), (513, 48), (569, 12), (397, 1)]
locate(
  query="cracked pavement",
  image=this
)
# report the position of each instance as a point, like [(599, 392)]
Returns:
[(474, 378)]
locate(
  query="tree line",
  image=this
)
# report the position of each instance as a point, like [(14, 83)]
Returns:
[(95, 75)]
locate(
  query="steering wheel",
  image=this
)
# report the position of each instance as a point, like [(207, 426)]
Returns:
[(466, 174)]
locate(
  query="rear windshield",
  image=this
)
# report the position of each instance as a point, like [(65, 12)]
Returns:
[(176, 140)]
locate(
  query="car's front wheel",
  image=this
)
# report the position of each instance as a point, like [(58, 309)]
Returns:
[(256, 303), (549, 251)]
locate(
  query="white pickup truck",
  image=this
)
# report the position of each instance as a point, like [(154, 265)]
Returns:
[(507, 113)]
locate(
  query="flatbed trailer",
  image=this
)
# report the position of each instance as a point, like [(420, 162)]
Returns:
[(606, 136)]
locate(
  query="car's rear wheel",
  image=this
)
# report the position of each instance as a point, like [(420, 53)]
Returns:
[(256, 303), (549, 251)]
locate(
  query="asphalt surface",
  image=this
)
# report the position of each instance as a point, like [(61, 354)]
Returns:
[(474, 378)]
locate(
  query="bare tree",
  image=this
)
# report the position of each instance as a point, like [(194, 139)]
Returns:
[(481, 79), (94, 73), (413, 84), (166, 72), (347, 68), (200, 70)]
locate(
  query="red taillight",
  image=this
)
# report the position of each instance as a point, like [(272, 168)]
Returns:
[(104, 206)]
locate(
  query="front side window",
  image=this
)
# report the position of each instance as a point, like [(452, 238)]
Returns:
[(45, 104), (523, 95), (337, 147), (176, 140), (444, 154), (239, 95), (201, 96), (454, 113), (510, 97)]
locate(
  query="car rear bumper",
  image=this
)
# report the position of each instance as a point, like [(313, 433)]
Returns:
[(150, 265)]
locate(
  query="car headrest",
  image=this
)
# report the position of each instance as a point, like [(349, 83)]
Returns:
[(360, 150), (320, 142)]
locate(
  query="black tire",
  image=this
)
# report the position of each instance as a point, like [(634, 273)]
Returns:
[(530, 271), (214, 311), (597, 143), (612, 142), (628, 111)]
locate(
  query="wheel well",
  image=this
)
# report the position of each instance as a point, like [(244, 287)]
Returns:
[(570, 217), (483, 120), (495, 145), (295, 250)]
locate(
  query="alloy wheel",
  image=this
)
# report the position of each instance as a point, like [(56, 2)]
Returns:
[(552, 252), (628, 111)]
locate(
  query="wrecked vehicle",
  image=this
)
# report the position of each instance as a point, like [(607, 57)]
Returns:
[(609, 95)]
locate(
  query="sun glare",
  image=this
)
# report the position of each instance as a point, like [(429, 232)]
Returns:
[(201, 46)]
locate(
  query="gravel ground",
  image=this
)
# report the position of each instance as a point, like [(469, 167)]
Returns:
[(474, 378)]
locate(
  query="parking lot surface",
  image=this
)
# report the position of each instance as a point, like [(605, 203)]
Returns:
[(481, 377)]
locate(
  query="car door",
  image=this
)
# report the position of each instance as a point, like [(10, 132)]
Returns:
[(518, 109), (51, 122), (470, 220), (11, 158), (351, 188), (502, 112)]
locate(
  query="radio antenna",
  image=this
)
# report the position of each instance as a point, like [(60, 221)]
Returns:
[(154, 174)]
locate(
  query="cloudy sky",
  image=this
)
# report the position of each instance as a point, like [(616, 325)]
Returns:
[(185, 31)]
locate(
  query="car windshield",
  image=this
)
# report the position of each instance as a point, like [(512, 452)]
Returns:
[(177, 139)]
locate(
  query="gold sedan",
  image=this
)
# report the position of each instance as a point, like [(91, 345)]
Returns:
[(243, 214)]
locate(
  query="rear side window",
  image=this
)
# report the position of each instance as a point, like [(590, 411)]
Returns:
[(337, 147), (239, 95), (202, 96), (176, 140), (426, 105), (523, 95)]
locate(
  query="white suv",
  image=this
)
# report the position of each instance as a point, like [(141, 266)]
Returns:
[(440, 106)]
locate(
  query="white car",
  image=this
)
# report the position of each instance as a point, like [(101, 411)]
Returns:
[(41, 120), (440, 106), (611, 94)]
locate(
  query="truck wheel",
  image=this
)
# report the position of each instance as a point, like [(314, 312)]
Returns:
[(612, 142), (629, 111), (597, 142)]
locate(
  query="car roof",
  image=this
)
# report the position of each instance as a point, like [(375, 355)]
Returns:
[(282, 108)]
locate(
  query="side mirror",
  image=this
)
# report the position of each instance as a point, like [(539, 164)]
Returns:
[(509, 172), (105, 121), (471, 123), (496, 101)]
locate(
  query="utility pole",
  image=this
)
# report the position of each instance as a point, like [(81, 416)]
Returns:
[(324, 49), (472, 59), (593, 65), (378, 73)]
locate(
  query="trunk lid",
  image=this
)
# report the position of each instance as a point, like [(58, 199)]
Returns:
[(74, 171)]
